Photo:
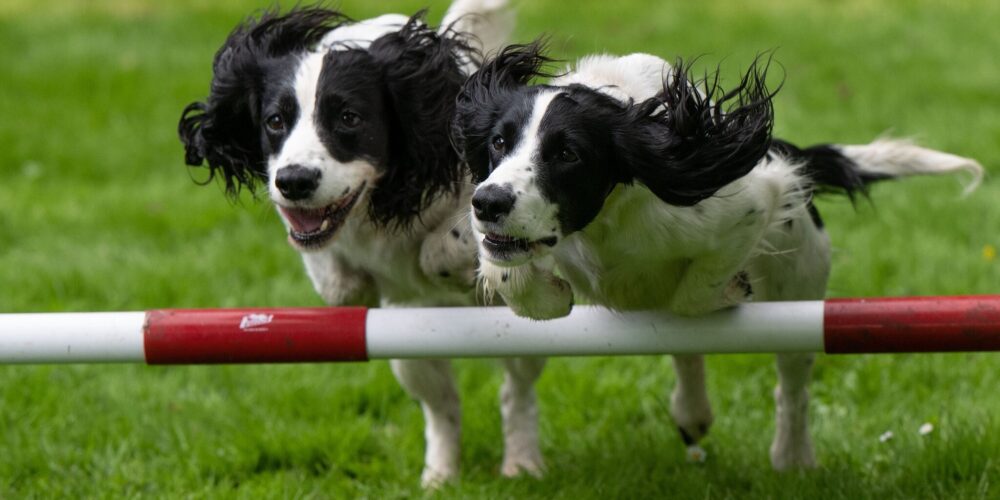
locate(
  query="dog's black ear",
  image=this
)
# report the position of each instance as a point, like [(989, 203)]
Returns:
[(422, 71), (224, 131), (685, 145), (485, 94)]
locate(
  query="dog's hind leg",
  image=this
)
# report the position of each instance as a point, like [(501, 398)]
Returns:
[(519, 409), (689, 406), (792, 447), (431, 382)]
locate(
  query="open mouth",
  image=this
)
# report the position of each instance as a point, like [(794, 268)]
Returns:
[(506, 247), (312, 227)]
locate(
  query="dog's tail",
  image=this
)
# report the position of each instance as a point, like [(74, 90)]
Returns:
[(490, 22), (849, 169)]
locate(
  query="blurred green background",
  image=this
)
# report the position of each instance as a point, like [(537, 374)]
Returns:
[(98, 212)]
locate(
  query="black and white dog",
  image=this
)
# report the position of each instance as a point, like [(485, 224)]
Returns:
[(348, 125), (622, 183)]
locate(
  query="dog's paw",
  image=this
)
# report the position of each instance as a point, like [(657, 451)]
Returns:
[(792, 455), (531, 290), (432, 479), (551, 298), (693, 417), (528, 462), (449, 259)]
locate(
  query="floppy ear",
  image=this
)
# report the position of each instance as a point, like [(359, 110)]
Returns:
[(684, 147), (421, 74), (483, 96), (224, 131)]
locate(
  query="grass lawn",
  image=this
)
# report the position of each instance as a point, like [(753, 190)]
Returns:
[(97, 212)]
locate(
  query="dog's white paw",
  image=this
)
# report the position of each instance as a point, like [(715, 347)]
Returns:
[(788, 455), (523, 462), (792, 447), (531, 291), (551, 298), (432, 479), (693, 417)]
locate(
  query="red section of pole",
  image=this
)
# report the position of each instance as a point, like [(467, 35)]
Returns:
[(269, 335), (912, 324)]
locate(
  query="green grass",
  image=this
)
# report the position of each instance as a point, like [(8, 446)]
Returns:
[(97, 212)]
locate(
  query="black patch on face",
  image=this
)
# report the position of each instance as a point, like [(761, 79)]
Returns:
[(279, 103), (490, 93), (575, 160), (350, 114), (507, 129)]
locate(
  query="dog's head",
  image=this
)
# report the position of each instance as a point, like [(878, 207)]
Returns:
[(547, 156), (333, 117)]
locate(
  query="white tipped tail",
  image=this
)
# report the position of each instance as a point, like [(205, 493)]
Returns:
[(899, 158), (490, 22)]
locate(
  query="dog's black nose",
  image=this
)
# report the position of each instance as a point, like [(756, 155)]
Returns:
[(492, 202), (297, 182)]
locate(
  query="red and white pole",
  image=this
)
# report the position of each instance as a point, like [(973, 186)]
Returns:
[(287, 335)]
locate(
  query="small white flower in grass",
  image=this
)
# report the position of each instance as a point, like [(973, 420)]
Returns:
[(926, 429), (887, 435), (696, 454)]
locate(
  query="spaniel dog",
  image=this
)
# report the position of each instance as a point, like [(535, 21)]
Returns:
[(347, 124), (627, 185)]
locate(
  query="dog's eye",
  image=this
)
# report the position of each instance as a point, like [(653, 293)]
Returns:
[(275, 123), (499, 143), (567, 156), (350, 118)]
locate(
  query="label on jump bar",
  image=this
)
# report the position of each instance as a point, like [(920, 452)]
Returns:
[(255, 322)]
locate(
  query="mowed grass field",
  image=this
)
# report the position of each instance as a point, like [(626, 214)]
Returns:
[(98, 212)]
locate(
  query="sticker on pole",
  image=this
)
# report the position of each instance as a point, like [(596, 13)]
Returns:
[(256, 322)]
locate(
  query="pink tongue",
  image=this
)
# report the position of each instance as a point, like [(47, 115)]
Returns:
[(305, 221)]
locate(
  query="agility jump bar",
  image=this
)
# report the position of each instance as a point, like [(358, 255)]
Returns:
[(298, 335)]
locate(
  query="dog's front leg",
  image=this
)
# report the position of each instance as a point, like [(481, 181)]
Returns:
[(709, 284), (792, 447), (338, 283), (689, 403), (431, 382), (531, 290), (519, 409)]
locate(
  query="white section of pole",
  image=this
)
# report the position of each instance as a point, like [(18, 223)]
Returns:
[(593, 331), (115, 337)]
